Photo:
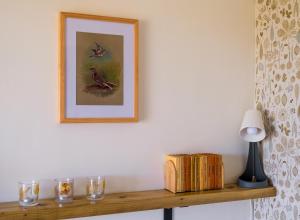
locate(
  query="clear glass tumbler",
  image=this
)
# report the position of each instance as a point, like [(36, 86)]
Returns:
[(64, 189), (29, 193), (95, 188)]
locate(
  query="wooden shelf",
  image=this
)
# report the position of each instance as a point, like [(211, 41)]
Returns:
[(129, 202)]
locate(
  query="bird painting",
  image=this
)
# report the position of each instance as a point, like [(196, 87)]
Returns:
[(100, 81), (99, 69), (99, 51)]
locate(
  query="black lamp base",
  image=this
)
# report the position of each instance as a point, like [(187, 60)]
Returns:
[(254, 175)]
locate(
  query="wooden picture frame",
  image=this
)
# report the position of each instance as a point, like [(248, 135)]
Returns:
[(99, 63)]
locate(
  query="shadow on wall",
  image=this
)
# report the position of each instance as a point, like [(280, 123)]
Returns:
[(234, 165)]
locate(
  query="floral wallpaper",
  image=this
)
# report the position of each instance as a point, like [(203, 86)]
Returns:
[(277, 96)]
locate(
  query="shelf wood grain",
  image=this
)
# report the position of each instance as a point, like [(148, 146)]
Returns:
[(129, 202)]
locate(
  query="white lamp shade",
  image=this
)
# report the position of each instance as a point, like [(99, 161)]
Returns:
[(252, 129)]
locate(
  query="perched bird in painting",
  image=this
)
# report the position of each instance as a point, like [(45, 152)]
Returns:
[(101, 82), (99, 51)]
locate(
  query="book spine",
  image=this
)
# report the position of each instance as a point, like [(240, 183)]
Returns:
[(222, 179), (213, 171), (184, 174), (219, 172), (209, 177), (192, 173), (216, 163), (197, 174), (203, 172), (179, 174), (188, 174)]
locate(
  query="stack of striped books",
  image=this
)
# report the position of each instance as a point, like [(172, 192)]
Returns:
[(196, 172)]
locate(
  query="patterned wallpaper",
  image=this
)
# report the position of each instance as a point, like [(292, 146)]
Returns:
[(277, 96)]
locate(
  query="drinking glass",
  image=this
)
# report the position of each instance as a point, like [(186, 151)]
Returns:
[(95, 188), (29, 193), (64, 188)]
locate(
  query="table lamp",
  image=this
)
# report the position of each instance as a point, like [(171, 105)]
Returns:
[(253, 131)]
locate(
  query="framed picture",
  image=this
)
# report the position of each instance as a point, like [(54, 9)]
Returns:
[(98, 69)]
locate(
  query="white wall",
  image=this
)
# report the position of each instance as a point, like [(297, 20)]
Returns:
[(196, 80)]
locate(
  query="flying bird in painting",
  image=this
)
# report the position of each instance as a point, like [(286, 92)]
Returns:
[(99, 51), (100, 81)]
